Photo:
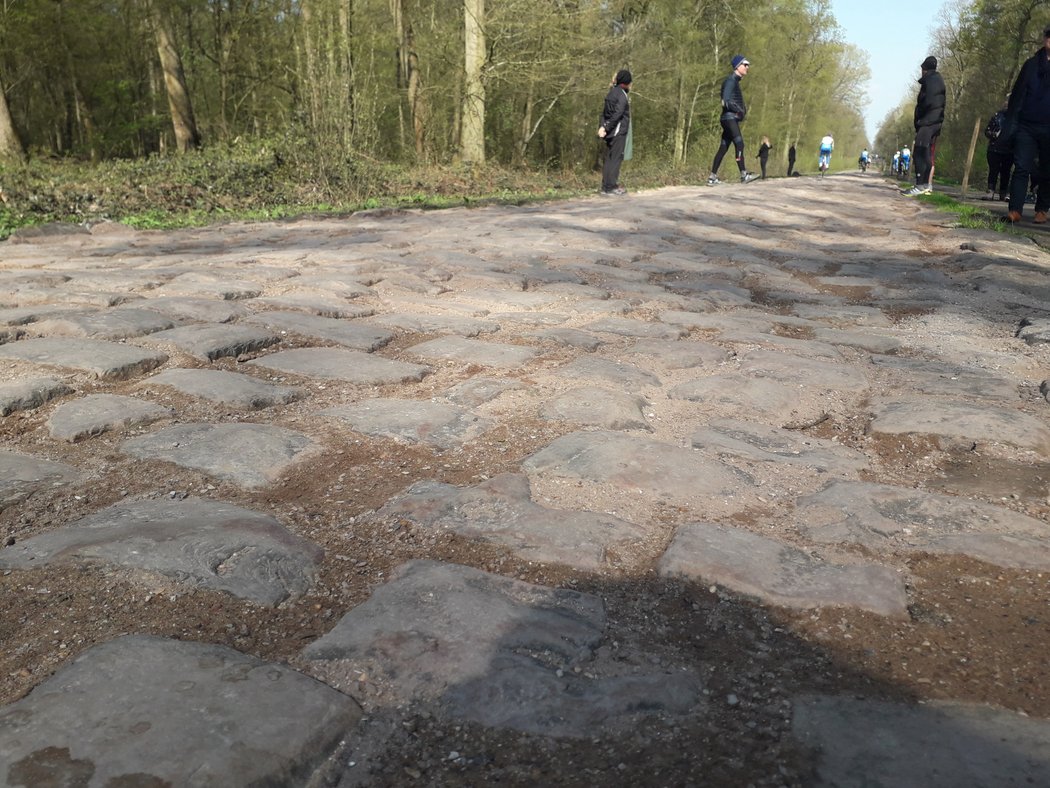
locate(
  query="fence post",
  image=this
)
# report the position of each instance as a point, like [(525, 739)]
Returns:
[(969, 156)]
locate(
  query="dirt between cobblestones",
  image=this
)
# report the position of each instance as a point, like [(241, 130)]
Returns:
[(974, 632)]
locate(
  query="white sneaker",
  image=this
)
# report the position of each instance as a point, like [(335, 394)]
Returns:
[(712, 180), (747, 177)]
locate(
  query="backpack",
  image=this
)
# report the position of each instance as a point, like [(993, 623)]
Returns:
[(994, 127)]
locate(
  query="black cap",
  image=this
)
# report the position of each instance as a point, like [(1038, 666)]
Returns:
[(623, 77), (929, 64)]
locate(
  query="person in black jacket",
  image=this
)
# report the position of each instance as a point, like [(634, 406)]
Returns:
[(1028, 127), (616, 120), (929, 115), (763, 155), (791, 159), (733, 112), (1000, 157)]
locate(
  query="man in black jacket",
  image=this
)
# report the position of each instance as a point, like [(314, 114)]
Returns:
[(616, 120), (1028, 126), (733, 112), (929, 115)]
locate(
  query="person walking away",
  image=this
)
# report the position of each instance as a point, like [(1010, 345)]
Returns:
[(763, 155), (734, 110), (1027, 127), (791, 159), (616, 122), (1000, 157), (929, 115)]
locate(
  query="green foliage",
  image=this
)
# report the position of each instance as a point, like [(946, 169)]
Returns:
[(321, 87), (967, 216)]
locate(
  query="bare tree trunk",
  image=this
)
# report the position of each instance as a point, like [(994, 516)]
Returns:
[(472, 132), (346, 23), (185, 125), (679, 123), (10, 144)]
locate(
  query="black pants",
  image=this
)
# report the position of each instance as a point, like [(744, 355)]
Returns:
[(999, 165), (763, 160), (1031, 161), (925, 145), (730, 136), (791, 167), (614, 147)]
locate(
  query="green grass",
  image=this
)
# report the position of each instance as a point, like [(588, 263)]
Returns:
[(967, 216)]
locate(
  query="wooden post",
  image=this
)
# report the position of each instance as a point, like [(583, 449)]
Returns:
[(969, 156)]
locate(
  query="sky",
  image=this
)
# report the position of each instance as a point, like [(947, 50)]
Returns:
[(896, 34)]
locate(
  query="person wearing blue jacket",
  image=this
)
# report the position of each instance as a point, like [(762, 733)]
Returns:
[(733, 112), (1027, 126), (616, 121)]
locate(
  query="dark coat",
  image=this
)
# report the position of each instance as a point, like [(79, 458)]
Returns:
[(763, 151), (929, 107), (733, 106), (616, 114), (1030, 97)]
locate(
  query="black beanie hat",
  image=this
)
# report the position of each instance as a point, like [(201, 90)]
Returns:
[(623, 77), (929, 64)]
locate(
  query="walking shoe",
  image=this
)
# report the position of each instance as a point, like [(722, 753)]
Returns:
[(619, 191), (1040, 217), (712, 180), (988, 196), (1011, 217), (747, 177)]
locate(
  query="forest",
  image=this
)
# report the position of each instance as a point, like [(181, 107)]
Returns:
[(237, 100)]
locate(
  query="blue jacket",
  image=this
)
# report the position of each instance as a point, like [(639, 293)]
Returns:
[(733, 106)]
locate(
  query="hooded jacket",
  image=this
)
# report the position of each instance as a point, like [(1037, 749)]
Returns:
[(1030, 97), (929, 107)]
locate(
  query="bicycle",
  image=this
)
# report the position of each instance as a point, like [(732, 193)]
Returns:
[(825, 162)]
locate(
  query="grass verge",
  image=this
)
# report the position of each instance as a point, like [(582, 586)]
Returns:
[(967, 216)]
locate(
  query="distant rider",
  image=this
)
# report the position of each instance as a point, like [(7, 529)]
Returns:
[(827, 145)]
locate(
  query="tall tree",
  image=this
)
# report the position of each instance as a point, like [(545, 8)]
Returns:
[(187, 137), (10, 144), (472, 128)]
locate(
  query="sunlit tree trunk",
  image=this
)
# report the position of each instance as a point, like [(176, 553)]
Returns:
[(183, 122), (472, 131), (10, 144)]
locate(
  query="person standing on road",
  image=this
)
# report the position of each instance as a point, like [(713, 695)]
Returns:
[(1000, 157), (1028, 129), (763, 155), (734, 110), (791, 159), (616, 121), (929, 115)]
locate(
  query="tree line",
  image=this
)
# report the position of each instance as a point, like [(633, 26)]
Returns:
[(417, 82), (980, 46)]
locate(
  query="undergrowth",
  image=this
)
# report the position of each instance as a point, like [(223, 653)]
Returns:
[(258, 181)]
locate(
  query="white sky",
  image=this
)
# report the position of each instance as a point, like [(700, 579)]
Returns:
[(896, 34)]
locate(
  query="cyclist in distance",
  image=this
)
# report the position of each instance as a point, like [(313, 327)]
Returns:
[(827, 145), (905, 161), (864, 160)]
